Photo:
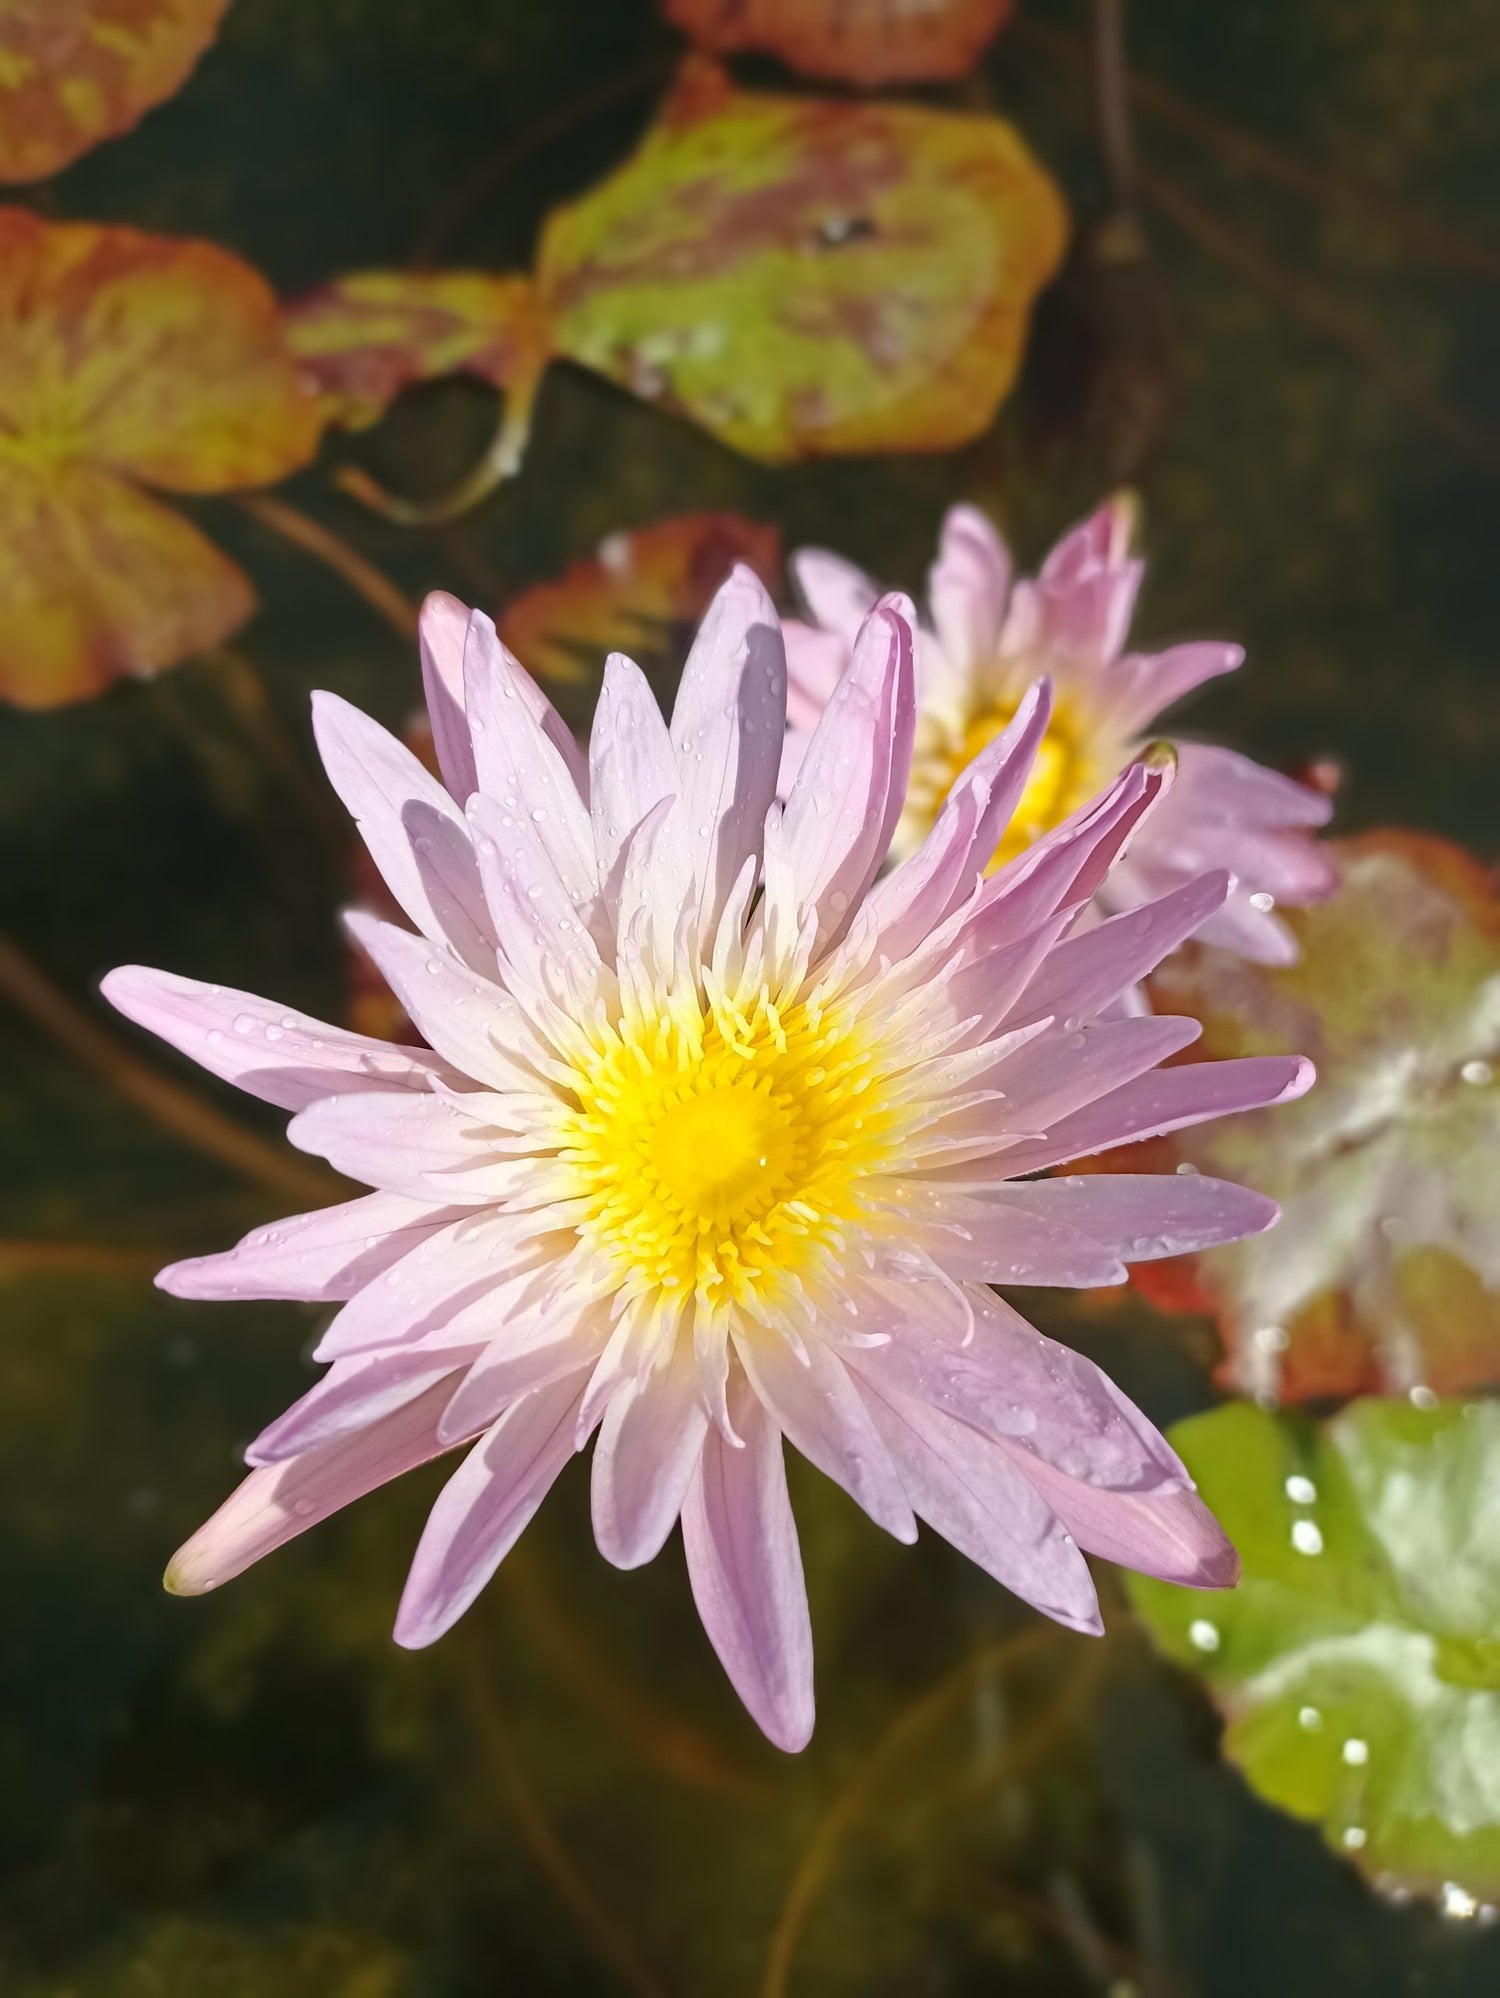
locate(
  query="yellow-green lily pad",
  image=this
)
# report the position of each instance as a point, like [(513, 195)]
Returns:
[(1357, 1665)]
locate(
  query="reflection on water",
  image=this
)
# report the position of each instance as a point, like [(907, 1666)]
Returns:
[(257, 1791)]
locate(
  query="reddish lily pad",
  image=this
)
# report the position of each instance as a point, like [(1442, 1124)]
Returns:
[(73, 72), (125, 360), (365, 337), (1384, 1272), (867, 42), (643, 594), (1357, 1664), (803, 275)]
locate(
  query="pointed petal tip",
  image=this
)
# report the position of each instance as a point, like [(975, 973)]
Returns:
[(186, 1573), (790, 1731)]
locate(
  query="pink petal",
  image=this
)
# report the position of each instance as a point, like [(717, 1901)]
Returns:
[(496, 684), (390, 1141), (978, 1240), (351, 1395), (277, 1503), (483, 1509), (442, 629), (1142, 685), (536, 922), (631, 764), (815, 662), (530, 1351), (978, 1498), (644, 1460), (321, 1257), (925, 890), (967, 588), (1058, 1072), (417, 836), (727, 728), (1088, 971), (746, 1571), (1166, 1100), (485, 1258), (838, 596), (987, 1367), (1169, 1534), (819, 1408), (529, 785), (471, 1021), (1141, 1217), (851, 787), (264, 1048)]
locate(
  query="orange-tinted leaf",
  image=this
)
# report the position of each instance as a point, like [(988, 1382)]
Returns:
[(804, 276), (73, 72), (643, 594), (868, 42), (97, 581), (365, 337), (159, 356), (1384, 1272)]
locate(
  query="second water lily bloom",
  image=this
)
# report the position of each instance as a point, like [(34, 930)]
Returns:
[(991, 638), (719, 1140)]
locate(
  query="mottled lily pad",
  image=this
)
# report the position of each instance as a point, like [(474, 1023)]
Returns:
[(1384, 1273), (365, 337), (643, 594), (73, 72), (125, 360), (869, 42), (1358, 1663), (804, 275)]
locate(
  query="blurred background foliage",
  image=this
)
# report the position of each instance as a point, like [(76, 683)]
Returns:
[(257, 1791)]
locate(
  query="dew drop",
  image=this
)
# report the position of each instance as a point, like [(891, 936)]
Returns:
[(1203, 1634), (273, 1033), (215, 1035), (1422, 1396), (1356, 1752), (1457, 1904), (1309, 1719), (1300, 1490), (1186, 1170), (244, 1023), (1477, 1072), (1354, 1837), (1307, 1536)]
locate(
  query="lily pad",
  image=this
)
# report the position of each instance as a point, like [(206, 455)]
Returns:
[(1384, 1273), (1358, 1664), (125, 360), (805, 275), (365, 337), (868, 42), (73, 72), (643, 593)]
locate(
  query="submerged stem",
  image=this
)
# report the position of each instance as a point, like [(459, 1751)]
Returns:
[(843, 1814), (166, 1102), (610, 1943), (313, 538)]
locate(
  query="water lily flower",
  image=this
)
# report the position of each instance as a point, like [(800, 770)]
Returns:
[(718, 1140), (990, 639)]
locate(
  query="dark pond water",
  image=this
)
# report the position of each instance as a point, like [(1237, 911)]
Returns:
[(256, 1792)]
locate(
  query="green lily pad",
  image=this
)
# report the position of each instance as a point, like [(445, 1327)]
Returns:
[(1358, 1664)]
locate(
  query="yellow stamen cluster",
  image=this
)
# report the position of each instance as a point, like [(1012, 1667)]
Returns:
[(1062, 778), (719, 1147)]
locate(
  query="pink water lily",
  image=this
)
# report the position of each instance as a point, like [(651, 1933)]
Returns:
[(990, 639), (718, 1140)]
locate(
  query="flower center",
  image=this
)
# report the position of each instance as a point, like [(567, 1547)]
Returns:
[(717, 1151), (1060, 780)]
